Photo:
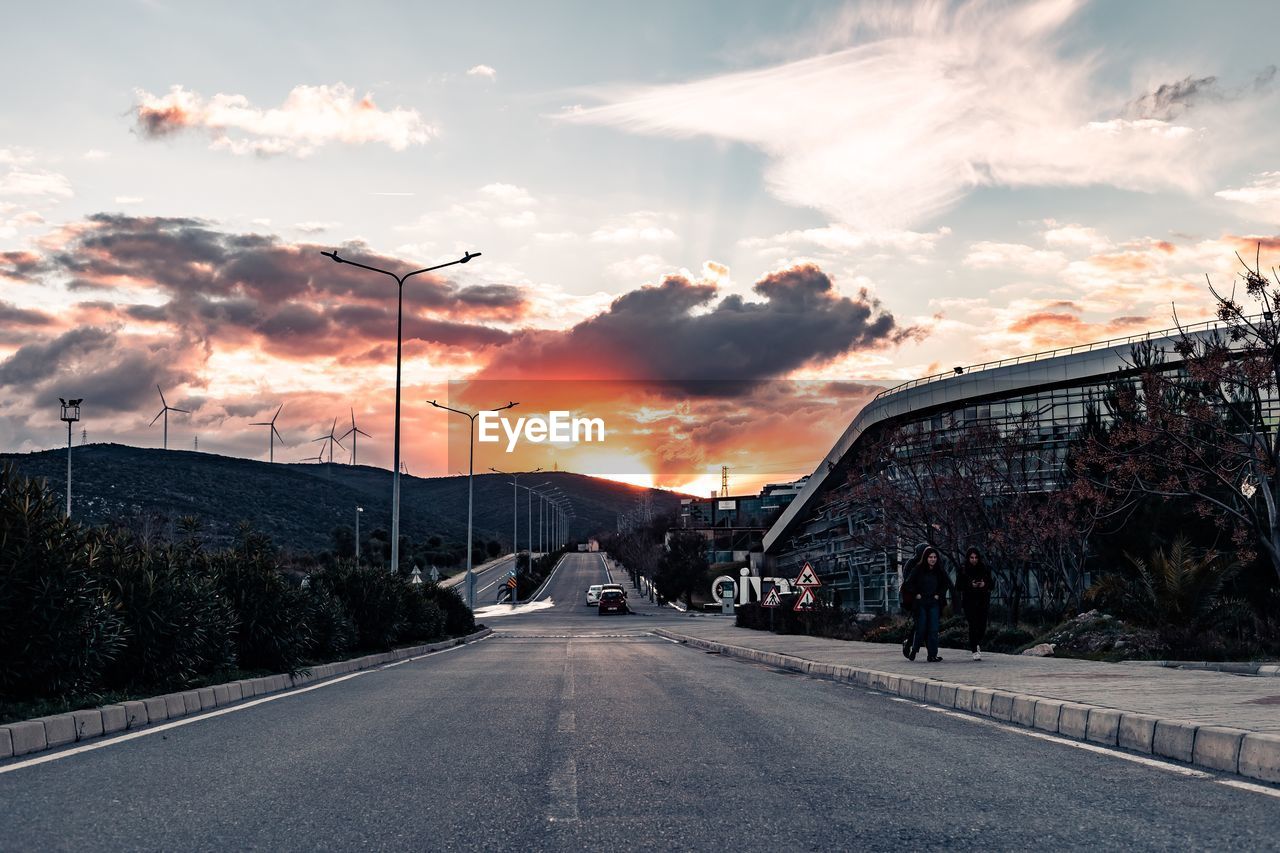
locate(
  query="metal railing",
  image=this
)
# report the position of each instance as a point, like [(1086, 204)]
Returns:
[(1053, 353)]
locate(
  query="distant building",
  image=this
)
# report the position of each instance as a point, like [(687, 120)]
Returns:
[(734, 526)]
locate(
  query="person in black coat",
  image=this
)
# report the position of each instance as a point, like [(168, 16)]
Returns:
[(973, 588), (926, 587), (904, 597)]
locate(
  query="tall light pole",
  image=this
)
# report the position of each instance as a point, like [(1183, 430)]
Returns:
[(471, 471), (70, 414), (515, 507), (395, 476), (359, 510), (543, 498)]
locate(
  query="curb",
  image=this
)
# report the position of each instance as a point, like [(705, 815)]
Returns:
[(44, 733), (1250, 754)]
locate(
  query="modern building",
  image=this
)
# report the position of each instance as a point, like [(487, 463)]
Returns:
[(734, 526), (1045, 393)]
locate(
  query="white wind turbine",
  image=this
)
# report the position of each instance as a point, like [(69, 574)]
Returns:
[(332, 440), (273, 435), (355, 432), (165, 412)]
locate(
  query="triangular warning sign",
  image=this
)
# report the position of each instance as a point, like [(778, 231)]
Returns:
[(808, 577), (806, 601), (772, 599)]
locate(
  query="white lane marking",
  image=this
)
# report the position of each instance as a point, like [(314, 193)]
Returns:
[(608, 574), (543, 588), (186, 721), (564, 793), (567, 722), (668, 639), (906, 701), (1077, 744), (1249, 786), (1114, 753)]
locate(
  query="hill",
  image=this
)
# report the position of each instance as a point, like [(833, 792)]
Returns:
[(299, 504)]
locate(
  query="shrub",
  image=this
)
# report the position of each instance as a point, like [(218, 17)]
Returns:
[(60, 627), (272, 628), (371, 598), (333, 632), (179, 626), (423, 618), (458, 618)]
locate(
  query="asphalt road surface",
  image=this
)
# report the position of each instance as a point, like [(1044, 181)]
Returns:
[(569, 730)]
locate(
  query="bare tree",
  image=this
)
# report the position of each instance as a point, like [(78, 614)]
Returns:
[(1204, 427)]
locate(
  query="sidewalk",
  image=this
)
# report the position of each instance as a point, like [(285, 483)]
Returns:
[(1214, 719)]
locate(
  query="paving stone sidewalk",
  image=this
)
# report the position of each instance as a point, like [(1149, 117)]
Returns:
[(1203, 697)]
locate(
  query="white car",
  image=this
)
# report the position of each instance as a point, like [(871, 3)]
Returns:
[(593, 594)]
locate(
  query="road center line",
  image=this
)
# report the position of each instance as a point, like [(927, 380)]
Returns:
[(186, 721)]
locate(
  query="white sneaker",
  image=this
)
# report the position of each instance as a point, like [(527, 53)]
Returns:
[(977, 655)]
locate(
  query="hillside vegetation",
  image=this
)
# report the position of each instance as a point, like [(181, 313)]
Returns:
[(299, 505)]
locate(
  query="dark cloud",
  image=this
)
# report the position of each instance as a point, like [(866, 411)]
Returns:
[(94, 363), (1170, 100), (21, 266), (163, 119), (224, 285), (672, 332), (11, 315)]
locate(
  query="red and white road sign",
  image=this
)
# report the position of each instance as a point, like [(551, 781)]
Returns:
[(808, 577), (772, 599), (806, 601)]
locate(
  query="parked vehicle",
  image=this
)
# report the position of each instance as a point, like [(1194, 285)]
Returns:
[(612, 601), (593, 594)]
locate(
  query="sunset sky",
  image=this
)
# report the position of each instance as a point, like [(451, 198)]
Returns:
[(849, 195)]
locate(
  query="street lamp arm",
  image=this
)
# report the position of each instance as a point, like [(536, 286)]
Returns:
[(462, 260), (337, 260), (400, 279)]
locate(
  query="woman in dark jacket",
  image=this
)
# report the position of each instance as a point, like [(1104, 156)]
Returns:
[(927, 587), (973, 587), (905, 598)]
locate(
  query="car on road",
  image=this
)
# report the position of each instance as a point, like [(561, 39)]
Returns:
[(612, 601), (616, 586), (593, 594)]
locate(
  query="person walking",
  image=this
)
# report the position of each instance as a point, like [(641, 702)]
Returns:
[(927, 585), (973, 588), (906, 598)]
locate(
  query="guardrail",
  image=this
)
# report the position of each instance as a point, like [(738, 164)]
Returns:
[(1053, 353)]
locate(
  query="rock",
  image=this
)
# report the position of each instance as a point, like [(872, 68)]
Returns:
[(1044, 650)]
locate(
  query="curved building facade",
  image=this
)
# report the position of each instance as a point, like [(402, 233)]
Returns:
[(1046, 395)]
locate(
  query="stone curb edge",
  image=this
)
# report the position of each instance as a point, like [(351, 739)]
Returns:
[(44, 733), (1245, 753)]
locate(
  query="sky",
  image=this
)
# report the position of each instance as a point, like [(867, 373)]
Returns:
[(805, 202)]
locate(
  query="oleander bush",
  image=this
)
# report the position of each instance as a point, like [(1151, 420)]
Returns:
[(60, 625), (87, 613), (179, 626)]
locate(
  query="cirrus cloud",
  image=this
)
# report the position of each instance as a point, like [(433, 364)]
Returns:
[(935, 101)]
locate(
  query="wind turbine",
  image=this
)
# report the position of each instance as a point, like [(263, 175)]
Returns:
[(273, 435), (355, 432), (332, 439), (165, 411)]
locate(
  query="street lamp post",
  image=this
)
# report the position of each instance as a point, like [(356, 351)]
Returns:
[(515, 508), (359, 510), (70, 414), (471, 470), (395, 476)]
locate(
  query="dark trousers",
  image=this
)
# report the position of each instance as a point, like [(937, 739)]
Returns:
[(975, 612), (927, 618)]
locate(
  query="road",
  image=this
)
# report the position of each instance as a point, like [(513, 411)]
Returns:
[(569, 730)]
